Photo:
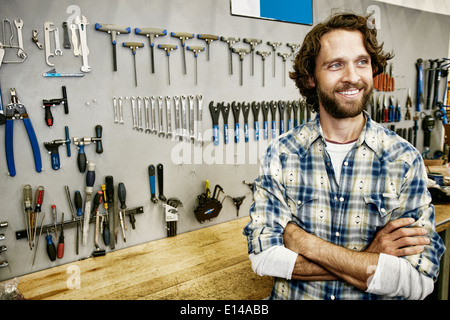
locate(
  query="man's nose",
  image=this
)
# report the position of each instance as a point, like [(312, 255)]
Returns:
[(351, 74)]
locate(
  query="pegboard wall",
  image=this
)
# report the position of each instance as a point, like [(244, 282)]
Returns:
[(127, 151)]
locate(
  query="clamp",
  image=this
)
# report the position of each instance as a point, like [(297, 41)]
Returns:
[(81, 142), (47, 104), (52, 148), (16, 111)]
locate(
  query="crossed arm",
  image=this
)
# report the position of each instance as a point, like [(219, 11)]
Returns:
[(321, 260)]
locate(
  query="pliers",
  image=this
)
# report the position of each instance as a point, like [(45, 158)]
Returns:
[(16, 111)]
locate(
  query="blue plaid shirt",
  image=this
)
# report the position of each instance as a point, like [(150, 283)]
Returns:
[(383, 178)]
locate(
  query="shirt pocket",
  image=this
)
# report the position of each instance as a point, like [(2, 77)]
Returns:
[(377, 213), (304, 211)]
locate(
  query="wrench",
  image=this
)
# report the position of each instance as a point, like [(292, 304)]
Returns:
[(116, 117), (147, 115), (120, 110), (58, 51), (160, 115), (184, 117), (139, 116), (169, 116), (19, 25), (82, 24), (133, 112), (76, 49), (199, 118), (177, 118), (36, 40), (152, 102), (48, 27), (191, 117)]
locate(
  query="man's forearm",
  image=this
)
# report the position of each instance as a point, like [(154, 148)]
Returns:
[(308, 270)]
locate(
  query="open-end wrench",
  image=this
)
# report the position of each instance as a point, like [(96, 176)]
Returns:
[(82, 24), (139, 114), (169, 116), (178, 134), (199, 118), (160, 115), (58, 51), (120, 110), (19, 26), (147, 115), (191, 118), (116, 116), (152, 104), (48, 27), (184, 117)]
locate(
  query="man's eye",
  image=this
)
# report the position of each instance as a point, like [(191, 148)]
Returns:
[(336, 65)]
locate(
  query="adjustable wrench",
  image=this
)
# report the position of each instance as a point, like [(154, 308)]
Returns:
[(152, 103), (48, 27), (160, 115), (139, 115), (177, 118), (169, 116), (199, 118), (191, 117), (19, 25), (184, 117), (58, 51), (147, 114)]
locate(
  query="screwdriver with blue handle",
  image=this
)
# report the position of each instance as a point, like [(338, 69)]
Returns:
[(51, 249)]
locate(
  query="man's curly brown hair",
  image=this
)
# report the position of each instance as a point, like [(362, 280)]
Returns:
[(305, 60)]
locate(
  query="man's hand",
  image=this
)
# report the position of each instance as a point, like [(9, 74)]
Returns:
[(397, 240)]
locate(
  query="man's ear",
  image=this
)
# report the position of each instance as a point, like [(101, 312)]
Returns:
[(311, 82)]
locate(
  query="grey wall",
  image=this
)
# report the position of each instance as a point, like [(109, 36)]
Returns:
[(127, 152)]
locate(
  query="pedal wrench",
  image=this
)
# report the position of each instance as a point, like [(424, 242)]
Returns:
[(160, 115), (152, 102), (19, 25), (139, 114), (191, 118), (185, 132), (58, 51), (169, 116), (48, 27), (147, 114), (177, 118), (199, 118)]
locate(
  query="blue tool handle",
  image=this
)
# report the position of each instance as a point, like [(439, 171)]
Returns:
[(266, 130), (274, 129), (289, 124), (295, 123), (391, 114), (152, 185), (246, 132), (34, 144), (225, 127), (281, 127), (236, 132), (78, 203), (66, 128), (90, 176), (419, 88), (256, 130), (9, 147), (55, 161), (216, 135), (81, 159)]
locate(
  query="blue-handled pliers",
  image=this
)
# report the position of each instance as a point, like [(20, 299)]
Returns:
[(16, 111)]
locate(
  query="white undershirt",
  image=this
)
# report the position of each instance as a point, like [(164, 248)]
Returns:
[(393, 276)]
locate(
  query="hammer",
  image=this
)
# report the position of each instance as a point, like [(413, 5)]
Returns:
[(114, 30), (151, 34)]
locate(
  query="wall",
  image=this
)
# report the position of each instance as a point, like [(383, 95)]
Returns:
[(127, 152)]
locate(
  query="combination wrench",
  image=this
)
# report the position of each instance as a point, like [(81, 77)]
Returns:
[(139, 115), (169, 116), (19, 26), (147, 115), (199, 118), (184, 117), (152, 104), (133, 113), (191, 117), (160, 115), (178, 134), (58, 51)]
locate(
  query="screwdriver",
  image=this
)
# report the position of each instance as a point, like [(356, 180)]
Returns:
[(60, 252), (106, 233), (51, 250), (78, 206), (122, 194)]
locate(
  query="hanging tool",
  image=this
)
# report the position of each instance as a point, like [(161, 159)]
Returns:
[(66, 41), (428, 125), (160, 172), (122, 194), (37, 241), (225, 110), (151, 175), (236, 107), (238, 202), (273, 112), (134, 46), (36, 40), (60, 250), (231, 41), (419, 97), (114, 30), (281, 107), (58, 51), (171, 215), (295, 107), (74, 216), (208, 208), (408, 105), (161, 117), (241, 52), (208, 39), (184, 116), (256, 106), (2, 114), (84, 50), (265, 107), (82, 142), (245, 111), (90, 179), (48, 27), (168, 48), (195, 50), (284, 56), (151, 34), (29, 213), (263, 55), (53, 74), (79, 207), (293, 46), (47, 104), (16, 111), (52, 148), (200, 119), (431, 77), (104, 219), (183, 36), (274, 46), (96, 203), (215, 113), (289, 113), (253, 43), (191, 118), (55, 218), (108, 236), (51, 249)]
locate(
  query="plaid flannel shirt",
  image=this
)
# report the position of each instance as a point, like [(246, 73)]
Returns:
[(383, 178)]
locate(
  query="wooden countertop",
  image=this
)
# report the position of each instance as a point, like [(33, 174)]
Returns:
[(206, 264)]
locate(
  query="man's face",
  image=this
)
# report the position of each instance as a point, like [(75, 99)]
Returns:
[(343, 77)]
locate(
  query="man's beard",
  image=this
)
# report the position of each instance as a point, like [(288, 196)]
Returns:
[(350, 109)]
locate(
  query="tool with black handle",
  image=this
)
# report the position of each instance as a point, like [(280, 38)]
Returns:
[(431, 71), (215, 113), (105, 220), (48, 104), (265, 107), (108, 236), (79, 207), (90, 179), (51, 249), (151, 34), (225, 109), (281, 107), (256, 106), (208, 207), (183, 36), (82, 142), (151, 175), (96, 203), (236, 107), (52, 148), (122, 195), (160, 172), (245, 111), (273, 112), (114, 30), (134, 46)]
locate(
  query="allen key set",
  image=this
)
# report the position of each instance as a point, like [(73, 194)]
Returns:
[(179, 119)]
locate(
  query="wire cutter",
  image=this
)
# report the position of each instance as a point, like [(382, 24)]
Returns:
[(16, 111)]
